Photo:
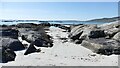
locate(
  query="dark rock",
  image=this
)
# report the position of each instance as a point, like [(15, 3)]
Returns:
[(78, 41), (31, 49), (97, 34), (63, 38), (116, 51), (16, 45), (42, 43), (26, 25), (46, 24), (105, 51), (7, 55), (12, 33), (13, 44)]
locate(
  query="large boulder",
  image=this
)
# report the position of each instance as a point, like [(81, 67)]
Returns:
[(12, 33), (13, 44), (76, 36), (30, 36), (96, 34), (6, 55), (102, 46), (81, 32), (111, 28), (77, 31), (9, 43), (111, 32), (38, 37), (92, 46), (117, 36)]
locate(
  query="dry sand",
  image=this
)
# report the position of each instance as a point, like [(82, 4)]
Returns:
[(62, 54)]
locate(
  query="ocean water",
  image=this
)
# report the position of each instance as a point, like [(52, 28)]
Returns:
[(77, 22), (11, 23)]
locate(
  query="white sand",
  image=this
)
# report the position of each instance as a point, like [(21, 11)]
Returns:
[(62, 54)]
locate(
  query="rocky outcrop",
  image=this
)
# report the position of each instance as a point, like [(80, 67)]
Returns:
[(9, 44), (117, 36), (37, 37), (101, 39), (102, 46), (13, 44), (7, 55), (82, 32), (111, 29), (12, 33), (67, 28), (26, 25)]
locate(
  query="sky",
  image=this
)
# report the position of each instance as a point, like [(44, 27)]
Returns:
[(58, 10), (59, 0)]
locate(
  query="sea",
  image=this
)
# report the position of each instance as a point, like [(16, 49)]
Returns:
[(11, 23)]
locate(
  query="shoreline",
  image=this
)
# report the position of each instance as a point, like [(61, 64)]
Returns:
[(63, 53)]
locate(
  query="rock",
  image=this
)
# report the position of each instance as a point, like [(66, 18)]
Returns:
[(9, 43), (92, 46), (102, 46), (78, 41), (111, 32), (102, 39), (12, 33), (64, 27), (116, 51), (81, 32), (31, 49), (117, 36), (83, 36), (7, 55), (76, 31), (76, 36), (13, 44), (111, 28), (46, 24), (42, 43), (30, 35), (26, 25), (97, 34), (105, 51), (38, 38), (110, 25)]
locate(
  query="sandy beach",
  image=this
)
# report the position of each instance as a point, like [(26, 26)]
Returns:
[(62, 54)]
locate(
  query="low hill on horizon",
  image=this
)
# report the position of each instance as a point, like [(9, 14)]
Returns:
[(105, 19)]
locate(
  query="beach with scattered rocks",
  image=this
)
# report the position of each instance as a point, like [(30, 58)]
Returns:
[(60, 45)]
